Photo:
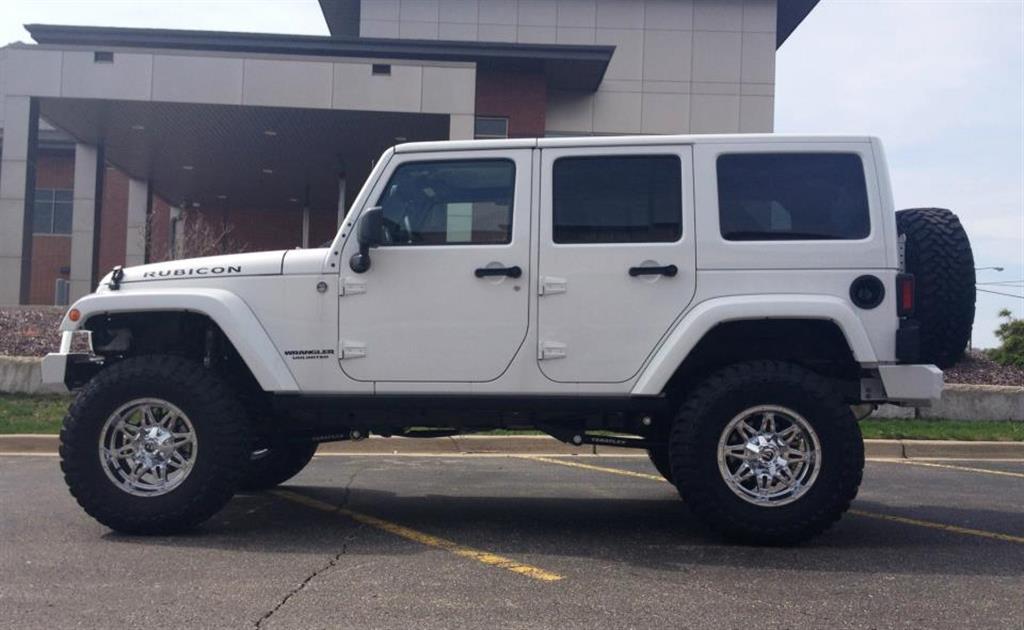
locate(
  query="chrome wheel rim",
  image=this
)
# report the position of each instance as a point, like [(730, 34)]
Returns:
[(148, 447), (769, 455)]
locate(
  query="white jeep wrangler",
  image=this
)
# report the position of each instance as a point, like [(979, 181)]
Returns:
[(731, 304)]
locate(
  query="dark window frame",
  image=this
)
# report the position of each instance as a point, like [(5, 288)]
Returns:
[(490, 136), (796, 235), (512, 200), (49, 196), (679, 163)]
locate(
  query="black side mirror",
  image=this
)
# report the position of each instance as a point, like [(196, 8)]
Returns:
[(368, 235)]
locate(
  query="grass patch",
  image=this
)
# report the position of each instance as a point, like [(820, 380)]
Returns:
[(896, 429), (21, 413)]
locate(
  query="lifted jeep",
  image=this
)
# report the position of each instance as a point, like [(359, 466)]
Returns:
[(731, 304)]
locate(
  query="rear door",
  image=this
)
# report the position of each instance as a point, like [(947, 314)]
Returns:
[(616, 257)]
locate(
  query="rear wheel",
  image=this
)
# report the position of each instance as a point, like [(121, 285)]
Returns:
[(275, 465), (766, 453), (154, 444), (662, 462)]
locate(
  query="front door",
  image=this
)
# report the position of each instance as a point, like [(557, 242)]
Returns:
[(445, 297), (617, 257)]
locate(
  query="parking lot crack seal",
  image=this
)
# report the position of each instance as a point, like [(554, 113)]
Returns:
[(333, 562)]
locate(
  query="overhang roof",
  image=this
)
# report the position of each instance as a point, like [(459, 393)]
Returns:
[(565, 66), (342, 17), (789, 15), (257, 158)]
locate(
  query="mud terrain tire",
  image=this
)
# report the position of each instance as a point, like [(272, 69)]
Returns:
[(939, 255)]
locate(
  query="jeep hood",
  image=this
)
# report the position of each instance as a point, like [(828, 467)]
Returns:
[(233, 265)]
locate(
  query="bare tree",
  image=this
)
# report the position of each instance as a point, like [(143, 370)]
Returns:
[(193, 234)]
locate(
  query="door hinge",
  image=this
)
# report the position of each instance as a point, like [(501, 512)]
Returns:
[(549, 285), (352, 286), (352, 349), (551, 350)]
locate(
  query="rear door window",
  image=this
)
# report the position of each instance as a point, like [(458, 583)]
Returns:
[(792, 196), (617, 199)]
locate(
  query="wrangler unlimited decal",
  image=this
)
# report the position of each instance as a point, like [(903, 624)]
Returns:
[(193, 271), (309, 354)]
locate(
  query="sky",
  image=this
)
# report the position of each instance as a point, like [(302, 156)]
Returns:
[(940, 81)]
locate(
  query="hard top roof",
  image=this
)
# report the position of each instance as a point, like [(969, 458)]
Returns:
[(617, 141)]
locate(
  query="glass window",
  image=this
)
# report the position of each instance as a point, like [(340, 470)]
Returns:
[(490, 127), (618, 199), (466, 202), (792, 196), (52, 211)]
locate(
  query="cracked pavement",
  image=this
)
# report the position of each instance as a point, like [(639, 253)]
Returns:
[(628, 553)]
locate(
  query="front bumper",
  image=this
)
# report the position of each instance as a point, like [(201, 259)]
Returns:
[(68, 369), (917, 385), (54, 367)]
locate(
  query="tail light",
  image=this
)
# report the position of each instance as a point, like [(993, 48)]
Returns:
[(905, 294)]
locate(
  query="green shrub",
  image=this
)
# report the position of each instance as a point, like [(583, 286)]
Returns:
[(1011, 333)]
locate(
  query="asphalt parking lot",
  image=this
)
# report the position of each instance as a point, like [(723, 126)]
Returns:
[(478, 541)]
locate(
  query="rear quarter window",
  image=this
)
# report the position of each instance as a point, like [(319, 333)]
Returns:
[(792, 196)]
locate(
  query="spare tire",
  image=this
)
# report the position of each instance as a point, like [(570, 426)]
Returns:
[(938, 253)]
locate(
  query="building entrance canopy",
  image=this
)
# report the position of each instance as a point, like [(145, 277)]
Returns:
[(215, 156)]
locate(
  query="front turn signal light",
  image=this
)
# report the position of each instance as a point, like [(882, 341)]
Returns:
[(74, 315)]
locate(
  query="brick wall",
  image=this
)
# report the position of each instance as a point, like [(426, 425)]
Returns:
[(260, 230), (519, 96), (255, 229), (322, 226), (51, 253), (159, 231), (113, 220)]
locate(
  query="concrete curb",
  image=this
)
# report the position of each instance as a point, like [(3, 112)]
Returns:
[(542, 445)]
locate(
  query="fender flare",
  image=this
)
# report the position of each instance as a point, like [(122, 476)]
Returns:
[(225, 308), (688, 331)]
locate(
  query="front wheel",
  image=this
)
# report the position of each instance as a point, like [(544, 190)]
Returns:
[(153, 445), (277, 464), (769, 453)]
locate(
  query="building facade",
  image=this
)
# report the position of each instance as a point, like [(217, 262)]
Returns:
[(122, 146)]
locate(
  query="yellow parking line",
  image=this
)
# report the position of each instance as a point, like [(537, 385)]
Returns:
[(614, 471), (483, 557), (986, 471), (953, 529)]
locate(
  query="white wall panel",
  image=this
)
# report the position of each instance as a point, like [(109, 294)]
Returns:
[(288, 83), (128, 77), (187, 78), (718, 15), (617, 112), (716, 56), (356, 88), (669, 14), (667, 55)]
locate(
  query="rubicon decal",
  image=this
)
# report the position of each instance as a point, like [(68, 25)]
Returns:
[(194, 271), (297, 355)]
